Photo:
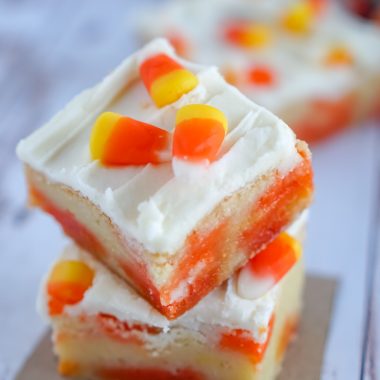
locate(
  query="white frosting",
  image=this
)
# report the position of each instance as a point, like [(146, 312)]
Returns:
[(261, 285), (360, 37), (224, 307), (298, 61), (154, 204)]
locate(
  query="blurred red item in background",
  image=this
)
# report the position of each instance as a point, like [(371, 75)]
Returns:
[(365, 8)]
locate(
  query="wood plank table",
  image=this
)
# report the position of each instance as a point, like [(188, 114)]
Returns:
[(51, 50)]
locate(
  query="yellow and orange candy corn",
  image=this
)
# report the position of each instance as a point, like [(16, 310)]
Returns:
[(318, 6), (121, 140), (248, 35), (261, 76), (299, 18), (199, 132), (68, 282), (165, 79), (179, 42), (339, 56), (231, 75), (277, 258)]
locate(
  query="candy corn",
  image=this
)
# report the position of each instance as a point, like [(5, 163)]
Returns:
[(120, 140), (299, 18), (166, 80), (261, 76), (277, 258), (199, 132), (248, 35), (269, 266), (339, 56), (179, 42), (231, 76), (318, 6), (67, 284)]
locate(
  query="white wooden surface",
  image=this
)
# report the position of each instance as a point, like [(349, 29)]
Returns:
[(49, 51)]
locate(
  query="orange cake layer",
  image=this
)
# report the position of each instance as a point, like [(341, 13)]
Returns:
[(329, 117)]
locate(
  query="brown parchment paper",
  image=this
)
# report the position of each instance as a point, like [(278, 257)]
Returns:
[(303, 360)]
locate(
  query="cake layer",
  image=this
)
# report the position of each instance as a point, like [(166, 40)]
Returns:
[(310, 62), (112, 333), (178, 228), (228, 306), (105, 348)]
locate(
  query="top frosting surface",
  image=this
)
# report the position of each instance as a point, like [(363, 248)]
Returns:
[(159, 205)]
